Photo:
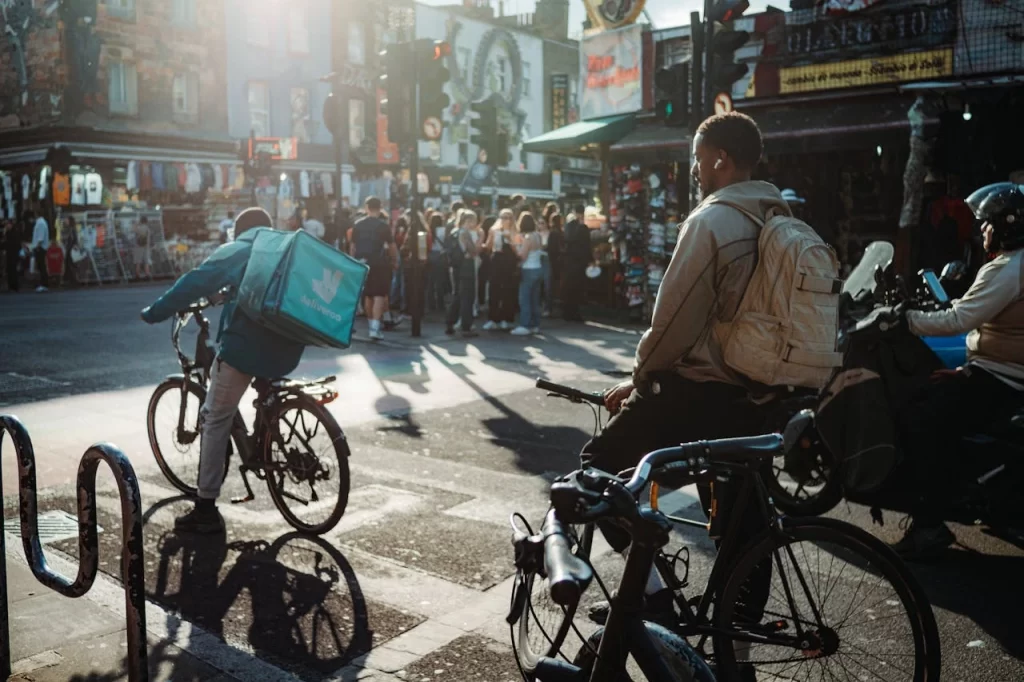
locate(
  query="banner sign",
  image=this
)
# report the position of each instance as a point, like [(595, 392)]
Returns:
[(611, 66), (559, 100), (881, 70), (278, 148), (913, 26)]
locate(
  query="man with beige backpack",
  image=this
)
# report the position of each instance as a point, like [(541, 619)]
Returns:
[(748, 307)]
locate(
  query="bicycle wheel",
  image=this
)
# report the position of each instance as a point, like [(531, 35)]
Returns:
[(178, 456), (306, 461), (813, 490), (852, 607)]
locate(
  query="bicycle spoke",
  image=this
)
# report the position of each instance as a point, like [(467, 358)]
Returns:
[(869, 670)]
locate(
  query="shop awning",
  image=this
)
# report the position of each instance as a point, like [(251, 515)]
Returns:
[(653, 137), (580, 138)]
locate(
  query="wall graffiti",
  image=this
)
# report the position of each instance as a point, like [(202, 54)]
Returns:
[(17, 16), (29, 53)]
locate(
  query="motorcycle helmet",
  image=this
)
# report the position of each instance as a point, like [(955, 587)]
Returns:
[(1002, 206)]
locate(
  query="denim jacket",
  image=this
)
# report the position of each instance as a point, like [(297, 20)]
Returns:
[(244, 344)]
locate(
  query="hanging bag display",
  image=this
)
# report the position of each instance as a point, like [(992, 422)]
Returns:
[(302, 288)]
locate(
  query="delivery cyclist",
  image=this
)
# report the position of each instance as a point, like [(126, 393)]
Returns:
[(247, 350), (989, 386)]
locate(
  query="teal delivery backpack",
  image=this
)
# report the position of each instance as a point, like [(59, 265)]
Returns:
[(302, 288)]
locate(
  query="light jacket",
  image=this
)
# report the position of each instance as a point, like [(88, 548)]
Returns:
[(244, 345), (992, 311), (710, 268)]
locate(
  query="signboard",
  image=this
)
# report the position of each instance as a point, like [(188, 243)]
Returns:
[(559, 100), (723, 103), (278, 148), (432, 128), (476, 176), (605, 15), (611, 66), (881, 70)]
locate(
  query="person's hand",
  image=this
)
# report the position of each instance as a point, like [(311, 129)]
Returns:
[(614, 396)]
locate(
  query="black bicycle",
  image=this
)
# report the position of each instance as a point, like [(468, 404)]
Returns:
[(808, 598), (296, 445)]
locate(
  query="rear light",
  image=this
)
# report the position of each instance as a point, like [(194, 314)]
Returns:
[(325, 398)]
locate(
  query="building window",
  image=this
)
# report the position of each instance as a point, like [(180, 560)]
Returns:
[(186, 97), (298, 30), (183, 12), (122, 90), (122, 9), (526, 80), (257, 29), (259, 108), (463, 153), (356, 123), (356, 43)]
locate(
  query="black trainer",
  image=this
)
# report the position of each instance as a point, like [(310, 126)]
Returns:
[(659, 608), (204, 518)]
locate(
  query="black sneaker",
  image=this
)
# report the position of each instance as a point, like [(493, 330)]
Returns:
[(659, 608), (203, 519), (922, 542)]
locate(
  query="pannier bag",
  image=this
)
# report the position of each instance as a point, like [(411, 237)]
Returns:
[(302, 288)]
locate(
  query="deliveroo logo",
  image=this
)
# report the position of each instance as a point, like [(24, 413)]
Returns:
[(327, 287)]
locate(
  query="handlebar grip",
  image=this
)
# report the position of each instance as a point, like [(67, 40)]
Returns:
[(569, 392), (568, 576)]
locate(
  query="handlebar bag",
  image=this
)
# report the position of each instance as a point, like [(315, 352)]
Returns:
[(300, 287)]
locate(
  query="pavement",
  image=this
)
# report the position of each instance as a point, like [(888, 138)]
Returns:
[(448, 437)]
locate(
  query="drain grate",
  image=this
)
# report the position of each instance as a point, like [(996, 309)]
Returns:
[(54, 526)]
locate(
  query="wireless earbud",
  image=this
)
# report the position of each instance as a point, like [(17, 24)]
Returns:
[(718, 164)]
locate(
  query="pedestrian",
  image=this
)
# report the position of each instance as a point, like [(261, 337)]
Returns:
[(12, 253), (577, 258), (69, 235), (529, 250), (545, 264), (141, 251), (462, 257), (227, 228), (483, 272), (40, 243), (556, 258), (371, 242), (518, 205), (314, 227), (504, 272), (437, 270)]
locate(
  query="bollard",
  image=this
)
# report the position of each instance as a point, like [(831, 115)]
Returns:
[(132, 567)]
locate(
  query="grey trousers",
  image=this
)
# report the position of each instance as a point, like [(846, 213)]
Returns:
[(227, 386)]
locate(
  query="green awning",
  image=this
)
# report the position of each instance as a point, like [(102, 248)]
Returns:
[(580, 138)]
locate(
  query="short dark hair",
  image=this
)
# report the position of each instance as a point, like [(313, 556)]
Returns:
[(526, 223), (231, 215), (457, 206), (436, 220), (735, 134), (372, 204), (250, 218), (579, 210), (516, 198)]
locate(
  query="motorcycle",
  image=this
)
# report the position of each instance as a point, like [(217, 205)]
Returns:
[(992, 462)]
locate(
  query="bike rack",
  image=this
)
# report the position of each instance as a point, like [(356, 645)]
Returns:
[(132, 566)]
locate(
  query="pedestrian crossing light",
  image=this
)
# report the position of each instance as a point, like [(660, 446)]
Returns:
[(671, 85), (396, 80), (484, 128), (723, 70), (433, 75)]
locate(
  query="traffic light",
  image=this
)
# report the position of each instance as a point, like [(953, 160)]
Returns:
[(397, 82), (723, 70), (433, 74), (499, 155), (484, 129), (671, 85)]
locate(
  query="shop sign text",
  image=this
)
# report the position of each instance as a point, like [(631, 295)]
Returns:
[(859, 72)]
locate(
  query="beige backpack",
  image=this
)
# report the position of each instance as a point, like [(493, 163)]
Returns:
[(785, 330)]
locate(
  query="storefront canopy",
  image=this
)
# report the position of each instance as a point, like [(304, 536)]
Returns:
[(672, 143), (581, 138)]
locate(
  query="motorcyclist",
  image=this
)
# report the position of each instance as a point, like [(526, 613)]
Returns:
[(247, 350), (988, 386)]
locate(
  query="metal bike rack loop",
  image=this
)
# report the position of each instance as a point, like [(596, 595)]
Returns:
[(132, 565)]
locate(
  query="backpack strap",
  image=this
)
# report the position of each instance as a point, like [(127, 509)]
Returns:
[(759, 221)]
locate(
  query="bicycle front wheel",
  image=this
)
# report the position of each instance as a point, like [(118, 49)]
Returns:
[(172, 421), (837, 604), (306, 459)]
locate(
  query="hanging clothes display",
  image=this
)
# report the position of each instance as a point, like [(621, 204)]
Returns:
[(61, 189), (26, 187), (78, 189), (304, 184), (93, 189), (132, 176), (44, 182), (193, 178)]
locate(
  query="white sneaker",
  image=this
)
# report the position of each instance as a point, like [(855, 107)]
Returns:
[(505, 326), (376, 335), (489, 326), (535, 330), (521, 331), (41, 289)]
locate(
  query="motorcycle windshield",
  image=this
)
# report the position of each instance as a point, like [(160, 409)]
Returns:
[(861, 281)]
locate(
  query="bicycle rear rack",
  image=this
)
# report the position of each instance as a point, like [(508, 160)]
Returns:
[(132, 566)]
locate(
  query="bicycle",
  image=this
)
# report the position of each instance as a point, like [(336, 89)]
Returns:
[(790, 631), (290, 417)]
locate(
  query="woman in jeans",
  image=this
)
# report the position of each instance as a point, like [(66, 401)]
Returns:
[(529, 250), (504, 263)]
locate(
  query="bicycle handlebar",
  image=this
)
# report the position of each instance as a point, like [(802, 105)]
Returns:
[(568, 575), (573, 394)]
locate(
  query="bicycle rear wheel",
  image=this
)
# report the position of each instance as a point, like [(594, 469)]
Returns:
[(176, 451), (306, 458), (851, 605)]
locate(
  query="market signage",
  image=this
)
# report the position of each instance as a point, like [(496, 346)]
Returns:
[(559, 100), (858, 72), (902, 27), (611, 71)]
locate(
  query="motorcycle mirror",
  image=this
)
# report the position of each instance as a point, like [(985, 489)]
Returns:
[(954, 271)]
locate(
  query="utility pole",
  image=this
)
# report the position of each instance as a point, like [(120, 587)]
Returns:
[(696, 97), (415, 291)]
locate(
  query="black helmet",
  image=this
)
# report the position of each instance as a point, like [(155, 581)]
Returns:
[(1002, 206)]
